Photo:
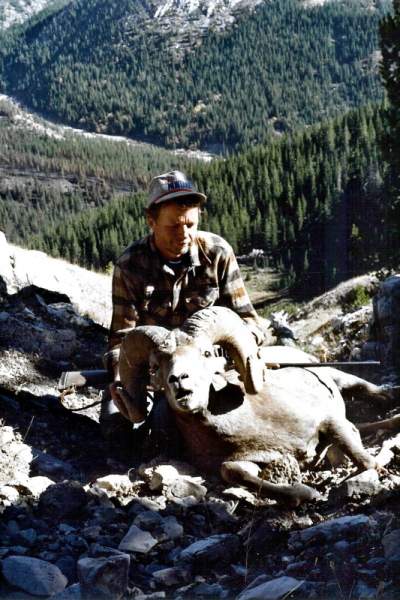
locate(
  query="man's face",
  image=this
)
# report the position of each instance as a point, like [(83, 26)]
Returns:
[(174, 229)]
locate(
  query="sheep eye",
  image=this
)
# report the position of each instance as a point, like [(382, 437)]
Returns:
[(153, 370), (207, 354)]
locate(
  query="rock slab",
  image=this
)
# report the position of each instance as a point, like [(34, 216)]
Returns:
[(217, 549), (35, 576), (271, 590), (104, 578), (137, 540)]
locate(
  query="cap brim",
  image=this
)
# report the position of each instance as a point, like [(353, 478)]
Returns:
[(179, 194)]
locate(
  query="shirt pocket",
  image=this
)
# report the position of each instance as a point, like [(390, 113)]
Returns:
[(197, 299)]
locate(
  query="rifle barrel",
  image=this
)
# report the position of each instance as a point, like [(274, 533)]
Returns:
[(355, 363), (100, 377)]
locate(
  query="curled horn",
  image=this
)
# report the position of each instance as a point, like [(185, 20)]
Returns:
[(134, 359), (225, 327)]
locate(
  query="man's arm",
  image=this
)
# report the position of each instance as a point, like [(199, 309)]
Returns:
[(124, 316), (233, 294)]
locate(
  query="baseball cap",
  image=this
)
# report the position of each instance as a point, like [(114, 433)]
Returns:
[(172, 186)]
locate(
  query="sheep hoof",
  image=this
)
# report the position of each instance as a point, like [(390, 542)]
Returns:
[(303, 493)]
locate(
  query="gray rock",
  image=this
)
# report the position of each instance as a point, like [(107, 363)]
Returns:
[(173, 576), (67, 566), (392, 567), (8, 495), (217, 549), (73, 592), (99, 551), (89, 291), (297, 568), (91, 533), (36, 485), (331, 531), (62, 499), (386, 307), (185, 486), (33, 575), (342, 547), (66, 528), (148, 520), (391, 543), (36, 336), (76, 541), (50, 466), (363, 591), (13, 527), (27, 537), (209, 590), (114, 484), (172, 530), (6, 436), (105, 578), (367, 575), (364, 484), (137, 540), (19, 550), (153, 596), (275, 589), (15, 459)]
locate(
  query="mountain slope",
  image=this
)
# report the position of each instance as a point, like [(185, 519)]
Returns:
[(313, 202), (108, 66)]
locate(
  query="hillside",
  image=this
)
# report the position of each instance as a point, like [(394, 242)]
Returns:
[(53, 172), (75, 516), (108, 66), (313, 202)]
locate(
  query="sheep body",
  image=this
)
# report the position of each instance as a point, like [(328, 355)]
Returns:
[(236, 431)]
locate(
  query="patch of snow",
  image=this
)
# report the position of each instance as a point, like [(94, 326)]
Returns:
[(19, 11), (21, 117)]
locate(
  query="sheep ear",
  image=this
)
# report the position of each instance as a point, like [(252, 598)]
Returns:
[(255, 375), (156, 379)]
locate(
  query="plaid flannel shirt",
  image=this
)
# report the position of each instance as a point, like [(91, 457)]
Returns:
[(147, 291)]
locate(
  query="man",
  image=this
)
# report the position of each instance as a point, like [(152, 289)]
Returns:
[(166, 276)]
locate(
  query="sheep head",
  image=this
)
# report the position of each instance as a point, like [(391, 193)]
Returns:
[(187, 373), (183, 363)]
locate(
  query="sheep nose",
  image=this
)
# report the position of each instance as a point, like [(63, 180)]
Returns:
[(177, 378)]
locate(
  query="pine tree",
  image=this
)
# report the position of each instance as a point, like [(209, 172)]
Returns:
[(390, 46)]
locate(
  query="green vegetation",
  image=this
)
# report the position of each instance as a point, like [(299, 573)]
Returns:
[(93, 63), (356, 298), (50, 179), (313, 201), (321, 201), (390, 46)]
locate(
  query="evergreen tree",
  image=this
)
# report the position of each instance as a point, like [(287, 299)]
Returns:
[(390, 46)]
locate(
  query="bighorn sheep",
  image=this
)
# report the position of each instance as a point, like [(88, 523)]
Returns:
[(272, 418)]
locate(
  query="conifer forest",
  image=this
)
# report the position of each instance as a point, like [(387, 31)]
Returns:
[(302, 106)]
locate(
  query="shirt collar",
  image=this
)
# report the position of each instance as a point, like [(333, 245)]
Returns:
[(193, 259)]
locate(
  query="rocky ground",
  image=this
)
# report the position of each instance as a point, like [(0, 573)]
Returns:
[(79, 522)]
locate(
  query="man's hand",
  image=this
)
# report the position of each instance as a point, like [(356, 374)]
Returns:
[(126, 404), (257, 332)]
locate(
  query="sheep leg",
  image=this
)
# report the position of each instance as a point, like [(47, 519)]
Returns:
[(351, 385), (246, 472), (392, 424), (345, 435)]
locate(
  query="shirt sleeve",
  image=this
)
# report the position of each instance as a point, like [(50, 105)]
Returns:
[(233, 294), (124, 315)]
